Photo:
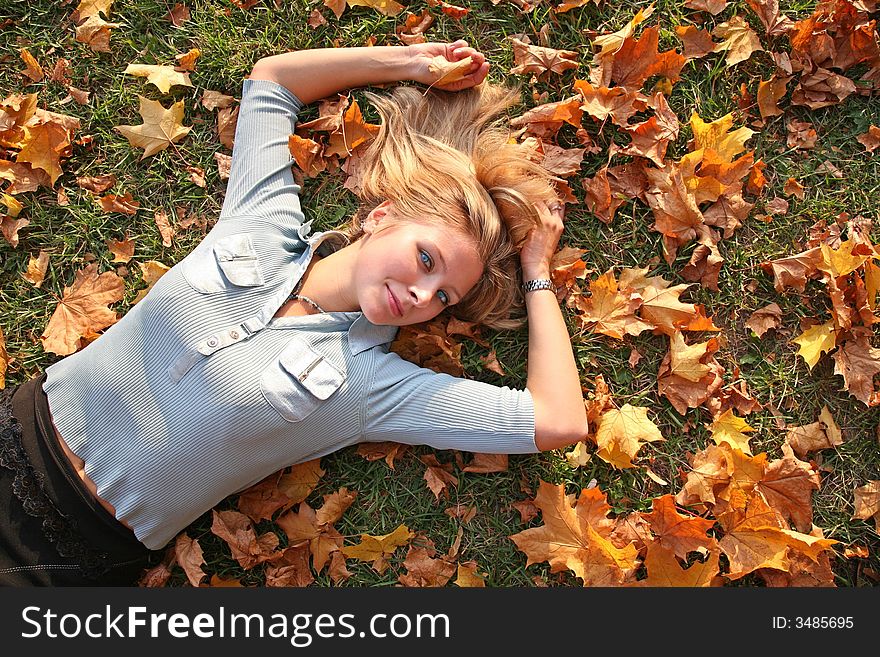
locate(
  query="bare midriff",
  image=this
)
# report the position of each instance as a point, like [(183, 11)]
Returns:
[(79, 467)]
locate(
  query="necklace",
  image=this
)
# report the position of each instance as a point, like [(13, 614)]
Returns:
[(300, 297)]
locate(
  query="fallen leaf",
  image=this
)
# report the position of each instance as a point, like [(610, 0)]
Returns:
[(163, 77), (161, 127), (575, 536), (151, 271), (871, 139), (540, 61), (621, 433), (189, 556), (858, 362), (666, 571), (291, 569), (36, 269), (82, 310), (237, 530), (579, 456), (815, 341), (467, 576), (740, 40), (122, 250), (822, 434), (764, 319), (730, 429), (867, 502), (487, 463), (378, 548), (95, 32)]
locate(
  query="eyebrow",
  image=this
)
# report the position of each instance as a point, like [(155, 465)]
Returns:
[(445, 268)]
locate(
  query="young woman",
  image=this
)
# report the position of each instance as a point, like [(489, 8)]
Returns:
[(268, 344)]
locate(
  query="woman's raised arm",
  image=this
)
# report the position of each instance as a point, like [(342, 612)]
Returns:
[(321, 72), (553, 380)]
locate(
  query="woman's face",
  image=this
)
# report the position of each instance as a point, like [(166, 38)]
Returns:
[(410, 272)]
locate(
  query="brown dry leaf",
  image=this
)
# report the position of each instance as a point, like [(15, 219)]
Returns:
[(697, 43), (316, 19), (770, 92), (867, 502), (527, 510), (714, 7), (871, 139), (610, 310), (178, 14), (438, 475), (757, 538), (740, 40), (576, 536), (801, 134), (22, 177), (764, 319), (97, 184), (793, 188), (794, 271), (665, 570), (124, 204), (539, 60), (307, 154), (36, 269), (161, 127), (423, 569), (822, 434), (227, 119), (122, 250), (151, 271), (487, 463), (316, 527), (164, 226), (676, 215), (224, 163), (211, 100), (83, 310), (10, 227), (189, 556), (611, 43), (802, 572), (787, 485), (683, 393), (616, 103), (378, 548), (386, 7), (414, 27), (622, 432), (467, 575), (428, 345), (353, 133), (767, 12), (383, 450), (579, 456), (858, 363), (709, 471), (462, 512), (676, 532), (280, 491), (87, 8), (544, 121), (650, 138), (291, 569), (684, 359), (196, 176), (95, 32), (163, 77), (639, 59), (237, 530), (822, 88)]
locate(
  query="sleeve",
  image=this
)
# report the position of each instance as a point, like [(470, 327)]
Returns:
[(417, 406), (260, 179)]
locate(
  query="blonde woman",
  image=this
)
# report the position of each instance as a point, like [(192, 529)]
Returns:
[(268, 344)]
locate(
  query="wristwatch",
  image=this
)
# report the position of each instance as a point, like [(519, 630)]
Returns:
[(538, 284)]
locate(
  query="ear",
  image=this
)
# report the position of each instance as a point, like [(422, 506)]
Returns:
[(376, 215)]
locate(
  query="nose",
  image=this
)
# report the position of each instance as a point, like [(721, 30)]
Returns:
[(421, 295)]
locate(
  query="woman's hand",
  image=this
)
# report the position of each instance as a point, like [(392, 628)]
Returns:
[(541, 242), (423, 55)]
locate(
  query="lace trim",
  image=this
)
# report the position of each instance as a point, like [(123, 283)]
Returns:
[(28, 486)]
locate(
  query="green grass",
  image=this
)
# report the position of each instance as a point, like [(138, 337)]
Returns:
[(231, 40)]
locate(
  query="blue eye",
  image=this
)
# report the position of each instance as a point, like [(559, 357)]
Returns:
[(444, 298), (426, 259)]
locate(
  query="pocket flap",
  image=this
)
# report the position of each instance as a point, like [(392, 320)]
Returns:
[(314, 372), (237, 258)]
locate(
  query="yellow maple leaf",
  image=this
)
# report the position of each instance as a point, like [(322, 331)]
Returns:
[(842, 261), (716, 136), (43, 146), (611, 43), (82, 310), (740, 40), (621, 433), (665, 570), (386, 7), (816, 341), (378, 548), (730, 429), (161, 127), (164, 77), (88, 8)]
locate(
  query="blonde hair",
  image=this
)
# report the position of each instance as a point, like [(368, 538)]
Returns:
[(444, 158)]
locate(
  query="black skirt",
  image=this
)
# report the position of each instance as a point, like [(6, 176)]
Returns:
[(53, 532)]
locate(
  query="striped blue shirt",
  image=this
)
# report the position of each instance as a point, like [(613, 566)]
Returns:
[(199, 392)]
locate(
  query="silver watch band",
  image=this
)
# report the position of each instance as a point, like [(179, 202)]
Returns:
[(538, 284)]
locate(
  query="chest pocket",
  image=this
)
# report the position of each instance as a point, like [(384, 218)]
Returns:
[(232, 261), (299, 380)]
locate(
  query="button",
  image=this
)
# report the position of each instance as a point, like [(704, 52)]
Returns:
[(212, 342), (233, 335)]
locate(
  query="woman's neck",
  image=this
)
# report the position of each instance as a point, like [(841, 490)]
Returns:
[(328, 280)]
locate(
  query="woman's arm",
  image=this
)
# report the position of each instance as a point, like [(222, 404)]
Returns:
[(553, 381), (321, 72)]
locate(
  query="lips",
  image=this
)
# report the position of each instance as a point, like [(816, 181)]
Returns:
[(396, 310)]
